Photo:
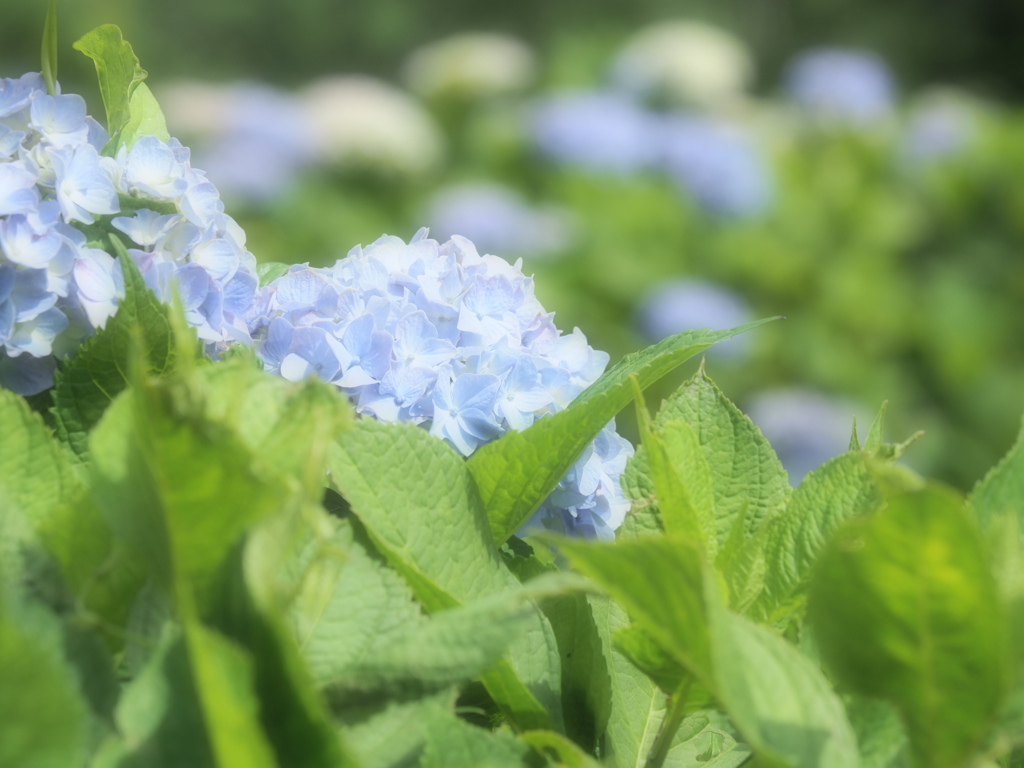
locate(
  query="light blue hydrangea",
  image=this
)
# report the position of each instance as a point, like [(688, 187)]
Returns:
[(597, 131), (691, 303), (716, 165), (941, 125), (805, 427), (454, 341), (844, 86), (57, 287), (498, 220)]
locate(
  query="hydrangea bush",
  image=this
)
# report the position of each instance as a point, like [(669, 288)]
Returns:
[(176, 589), (440, 336)]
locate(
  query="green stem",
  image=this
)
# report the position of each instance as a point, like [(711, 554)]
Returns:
[(669, 726)]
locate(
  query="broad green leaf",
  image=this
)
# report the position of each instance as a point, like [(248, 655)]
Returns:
[(393, 732), (294, 718), (747, 478), (518, 471), (420, 506), (680, 478), (194, 704), (637, 708), (36, 477), (778, 699), (42, 711), (841, 489), (177, 488), (50, 49), (344, 601), (454, 743), (636, 644), (905, 609), (452, 646), (1001, 491), (120, 76), (98, 371), (637, 574), (880, 735)]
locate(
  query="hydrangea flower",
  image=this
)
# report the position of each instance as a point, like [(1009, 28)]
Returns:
[(56, 286), (597, 131), (942, 124), (366, 125), (454, 341), (251, 138), (470, 66), (716, 165), (842, 86), (688, 304), (498, 220), (805, 427), (688, 63)]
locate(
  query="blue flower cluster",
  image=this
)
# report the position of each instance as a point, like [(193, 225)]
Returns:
[(842, 86), (440, 336), (689, 303), (57, 286), (712, 161)]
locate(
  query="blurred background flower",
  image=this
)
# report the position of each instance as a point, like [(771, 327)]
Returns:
[(842, 87)]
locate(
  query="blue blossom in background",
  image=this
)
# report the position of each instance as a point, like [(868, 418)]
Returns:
[(689, 304), (597, 131), (716, 165), (942, 124), (842, 86), (440, 336), (252, 139), (57, 288), (498, 220), (805, 427)]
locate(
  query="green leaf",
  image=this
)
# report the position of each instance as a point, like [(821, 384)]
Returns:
[(178, 488), (43, 714), (747, 478), (556, 746), (1001, 491), (50, 49), (637, 708), (36, 477), (905, 609), (251, 613), (269, 271), (93, 377), (778, 699), (129, 113), (841, 489), (636, 573), (194, 704), (145, 118), (880, 735), (393, 732), (453, 743), (681, 478), (420, 506), (518, 471), (344, 601)]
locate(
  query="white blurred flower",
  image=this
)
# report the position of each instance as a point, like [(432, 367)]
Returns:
[(686, 62), (362, 123), (498, 220), (470, 65)]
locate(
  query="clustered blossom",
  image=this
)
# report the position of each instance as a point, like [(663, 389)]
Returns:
[(58, 285), (440, 336), (842, 86)]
